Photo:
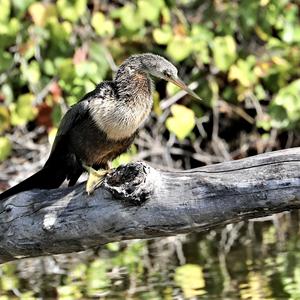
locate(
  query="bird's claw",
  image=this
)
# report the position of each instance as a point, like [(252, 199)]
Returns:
[(95, 179)]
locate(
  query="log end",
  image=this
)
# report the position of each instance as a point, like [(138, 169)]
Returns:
[(130, 183)]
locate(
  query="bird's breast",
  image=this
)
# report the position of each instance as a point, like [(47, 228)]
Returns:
[(119, 119)]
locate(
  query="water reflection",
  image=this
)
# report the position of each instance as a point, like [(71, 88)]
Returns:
[(255, 260)]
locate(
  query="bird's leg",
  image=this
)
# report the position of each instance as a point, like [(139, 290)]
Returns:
[(95, 178)]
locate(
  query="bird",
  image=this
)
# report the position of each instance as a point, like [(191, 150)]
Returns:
[(102, 125)]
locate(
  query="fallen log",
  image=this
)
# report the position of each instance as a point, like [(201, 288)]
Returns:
[(137, 201)]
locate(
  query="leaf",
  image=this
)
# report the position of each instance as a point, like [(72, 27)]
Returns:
[(6, 93), (291, 33), (5, 150), (65, 68), (102, 26), (97, 54), (6, 60), (190, 278), (224, 52), (150, 9), (285, 108), (86, 68), (243, 72), (72, 10), (60, 33), (23, 111), (31, 72), (69, 292), (5, 10), (130, 18), (4, 118), (21, 5), (40, 12), (48, 67), (172, 88), (163, 35), (180, 48), (182, 122)]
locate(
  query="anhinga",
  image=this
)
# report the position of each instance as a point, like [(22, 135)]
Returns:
[(102, 125)]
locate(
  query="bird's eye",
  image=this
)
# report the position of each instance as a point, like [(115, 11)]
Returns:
[(166, 73)]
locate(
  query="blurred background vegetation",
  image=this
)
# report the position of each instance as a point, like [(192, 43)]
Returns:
[(241, 57)]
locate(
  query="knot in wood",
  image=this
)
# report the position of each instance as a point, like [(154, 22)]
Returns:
[(129, 182)]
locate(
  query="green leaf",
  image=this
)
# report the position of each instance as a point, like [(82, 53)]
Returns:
[(69, 292), (163, 35), (291, 33), (72, 10), (48, 67), (202, 33), (172, 88), (31, 72), (60, 31), (102, 26), (224, 52), (41, 12), (56, 115), (65, 68), (182, 122), (4, 118), (8, 32), (6, 60), (86, 68), (7, 93), (243, 72), (180, 48), (285, 108), (23, 111), (5, 10), (97, 54), (21, 5), (150, 9), (130, 18), (5, 150)]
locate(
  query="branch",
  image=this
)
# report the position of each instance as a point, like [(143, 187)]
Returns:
[(137, 201)]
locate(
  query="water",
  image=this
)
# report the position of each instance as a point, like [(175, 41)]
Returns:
[(255, 260)]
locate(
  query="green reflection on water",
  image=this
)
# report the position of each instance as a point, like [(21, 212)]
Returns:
[(256, 260)]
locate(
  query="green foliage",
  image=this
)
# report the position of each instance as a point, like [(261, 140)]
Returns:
[(23, 111), (5, 148), (224, 52), (101, 25), (251, 48), (285, 108), (182, 122)]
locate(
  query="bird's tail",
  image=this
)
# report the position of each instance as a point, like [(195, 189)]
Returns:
[(47, 178)]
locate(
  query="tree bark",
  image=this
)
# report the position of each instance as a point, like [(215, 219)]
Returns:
[(137, 201)]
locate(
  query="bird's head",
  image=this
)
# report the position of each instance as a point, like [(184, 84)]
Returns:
[(159, 67)]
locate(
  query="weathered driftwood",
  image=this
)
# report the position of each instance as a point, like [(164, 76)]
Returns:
[(138, 201)]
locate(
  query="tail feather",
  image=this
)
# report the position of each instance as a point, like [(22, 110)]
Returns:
[(46, 178)]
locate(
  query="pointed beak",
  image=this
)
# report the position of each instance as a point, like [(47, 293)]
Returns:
[(177, 81)]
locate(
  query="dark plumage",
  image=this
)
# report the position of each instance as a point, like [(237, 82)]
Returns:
[(103, 124)]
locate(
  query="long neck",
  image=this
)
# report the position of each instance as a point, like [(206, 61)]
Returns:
[(133, 84), (130, 107)]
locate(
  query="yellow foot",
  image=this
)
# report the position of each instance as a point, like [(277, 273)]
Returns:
[(95, 179)]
